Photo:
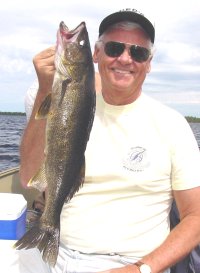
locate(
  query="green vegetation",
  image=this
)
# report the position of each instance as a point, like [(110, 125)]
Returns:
[(192, 119), (12, 113)]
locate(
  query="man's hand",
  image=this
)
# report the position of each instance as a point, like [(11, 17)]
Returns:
[(45, 68)]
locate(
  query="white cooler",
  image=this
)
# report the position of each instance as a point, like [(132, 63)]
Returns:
[(12, 216), (13, 209)]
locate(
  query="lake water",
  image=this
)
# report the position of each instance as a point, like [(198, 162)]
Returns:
[(196, 130), (11, 130)]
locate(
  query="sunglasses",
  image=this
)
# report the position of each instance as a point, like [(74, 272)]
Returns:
[(137, 53)]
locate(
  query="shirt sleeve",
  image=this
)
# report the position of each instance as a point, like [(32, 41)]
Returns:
[(185, 157), (30, 98)]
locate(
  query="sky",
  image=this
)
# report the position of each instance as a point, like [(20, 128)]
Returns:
[(28, 27)]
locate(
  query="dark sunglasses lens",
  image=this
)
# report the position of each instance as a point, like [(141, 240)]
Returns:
[(114, 49), (139, 54)]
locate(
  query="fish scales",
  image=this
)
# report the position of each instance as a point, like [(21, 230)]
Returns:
[(69, 110)]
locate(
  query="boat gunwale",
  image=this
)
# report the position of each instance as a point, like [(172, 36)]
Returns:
[(8, 172)]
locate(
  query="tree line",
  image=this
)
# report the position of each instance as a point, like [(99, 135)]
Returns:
[(13, 113), (192, 119), (188, 118)]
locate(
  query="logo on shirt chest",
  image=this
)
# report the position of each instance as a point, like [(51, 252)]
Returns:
[(136, 159)]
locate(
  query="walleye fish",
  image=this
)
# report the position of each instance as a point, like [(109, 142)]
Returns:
[(69, 110)]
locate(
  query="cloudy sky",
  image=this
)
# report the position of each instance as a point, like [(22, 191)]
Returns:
[(28, 27)]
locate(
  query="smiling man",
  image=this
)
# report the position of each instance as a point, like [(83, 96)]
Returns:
[(140, 155), (123, 54)]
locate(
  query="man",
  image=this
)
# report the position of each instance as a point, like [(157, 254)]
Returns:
[(140, 155)]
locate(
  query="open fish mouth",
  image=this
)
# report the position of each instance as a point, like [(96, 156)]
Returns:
[(71, 35)]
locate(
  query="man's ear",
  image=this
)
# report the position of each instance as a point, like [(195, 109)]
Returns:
[(149, 65), (95, 58)]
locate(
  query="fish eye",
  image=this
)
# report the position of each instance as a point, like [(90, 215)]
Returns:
[(82, 42)]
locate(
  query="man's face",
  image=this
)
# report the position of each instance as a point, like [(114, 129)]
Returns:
[(122, 74)]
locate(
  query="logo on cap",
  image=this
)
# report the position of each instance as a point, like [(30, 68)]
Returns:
[(133, 10)]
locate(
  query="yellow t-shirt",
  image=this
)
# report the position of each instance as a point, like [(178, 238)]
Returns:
[(135, 155)]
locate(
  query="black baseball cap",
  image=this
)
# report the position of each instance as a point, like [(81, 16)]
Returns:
[(131, 15)]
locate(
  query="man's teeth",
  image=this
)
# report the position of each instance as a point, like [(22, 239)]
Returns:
[(122, 71)]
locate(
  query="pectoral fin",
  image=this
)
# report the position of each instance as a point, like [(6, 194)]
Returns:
[(39, 180), (44, 108)]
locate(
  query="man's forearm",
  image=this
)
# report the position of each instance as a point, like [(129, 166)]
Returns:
[(184, 237), (177, 245), (32, 144)]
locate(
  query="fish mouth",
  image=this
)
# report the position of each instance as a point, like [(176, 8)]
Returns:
[(71, 35), (71, 48)]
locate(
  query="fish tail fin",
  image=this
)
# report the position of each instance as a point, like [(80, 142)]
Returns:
[(45, 239)]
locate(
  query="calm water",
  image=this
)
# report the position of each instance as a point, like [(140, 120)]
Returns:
[(196, 130), (11, 129)]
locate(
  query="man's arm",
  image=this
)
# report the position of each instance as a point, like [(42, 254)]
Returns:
[(181, 240), (184, 237), (33, 140)]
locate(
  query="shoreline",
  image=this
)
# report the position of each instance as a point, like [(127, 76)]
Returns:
[(12, 113), (188, 118)]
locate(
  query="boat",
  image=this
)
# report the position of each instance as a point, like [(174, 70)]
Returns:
[(10, 183)]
